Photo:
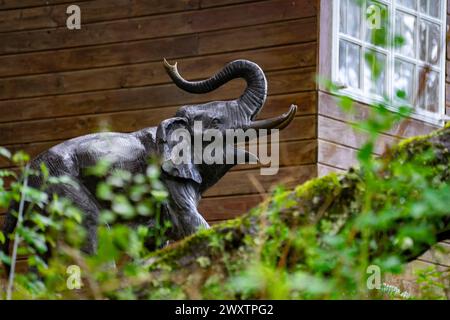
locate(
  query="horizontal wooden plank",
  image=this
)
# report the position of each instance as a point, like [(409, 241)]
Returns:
[(15, 4), (217, 3), (447, 72), (239, 182), (407, 128), (223, 208), (157, 26), (335, 155), (21, 268), (291, 153), (156, 49), (323, 169), (137, 75), (54, 15), (342, 133)]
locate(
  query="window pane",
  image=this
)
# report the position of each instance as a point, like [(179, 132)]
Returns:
[(434, 43), (430, 99), (350, 18), (377, 34), (405, 27), (429, 34), (432, 92), (430, 7), (435, 6), (375, 72), (408, 3), (349, 61), (423, 30), (404, 79), (423, 6)]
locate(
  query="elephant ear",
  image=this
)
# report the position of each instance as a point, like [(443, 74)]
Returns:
[(166, 141)]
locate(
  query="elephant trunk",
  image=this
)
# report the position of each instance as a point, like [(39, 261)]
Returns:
[(254, 96)]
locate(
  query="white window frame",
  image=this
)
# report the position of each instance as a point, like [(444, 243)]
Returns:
[(360, 96)]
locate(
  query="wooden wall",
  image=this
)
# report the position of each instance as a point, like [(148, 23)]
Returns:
[(56, 83)]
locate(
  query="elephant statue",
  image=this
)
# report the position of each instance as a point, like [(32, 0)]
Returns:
[(185, 182)]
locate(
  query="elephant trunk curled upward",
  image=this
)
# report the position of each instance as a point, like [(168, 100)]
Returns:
[(130, 151)]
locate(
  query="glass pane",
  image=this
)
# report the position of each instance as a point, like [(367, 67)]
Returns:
[(430, 98), (423, 6), (423, 31), (375, 72), (429, 47), (349, 61), (408, 3), (405, 28), (432, 92), (350, 18), (434, 9), (434, 36), (404, 79), (430, 7), (377, 24)]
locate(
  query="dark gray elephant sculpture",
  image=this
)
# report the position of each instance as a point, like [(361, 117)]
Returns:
[(131, 151)]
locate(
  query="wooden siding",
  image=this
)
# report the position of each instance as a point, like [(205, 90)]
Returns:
[(56, 83)]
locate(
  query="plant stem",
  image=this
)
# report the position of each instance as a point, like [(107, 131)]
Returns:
[(16, 236)]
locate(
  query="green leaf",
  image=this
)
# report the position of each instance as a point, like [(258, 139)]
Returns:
[(346, 103), (399, 41), (159, 195), (152, 172), (5, 153), (2, 238), (100, 169), (122, 207), (42, 221), (401, 94), (44, 171), (33, 238), (5, 258), (20, 157), (106, 217), (104, 191)]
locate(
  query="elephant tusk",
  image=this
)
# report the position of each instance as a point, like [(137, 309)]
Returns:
[(170, 67), (279, 122)]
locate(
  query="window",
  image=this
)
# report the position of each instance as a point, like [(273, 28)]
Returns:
[(385, 46)]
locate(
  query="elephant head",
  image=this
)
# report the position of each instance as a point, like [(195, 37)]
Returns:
[(239, 113)]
